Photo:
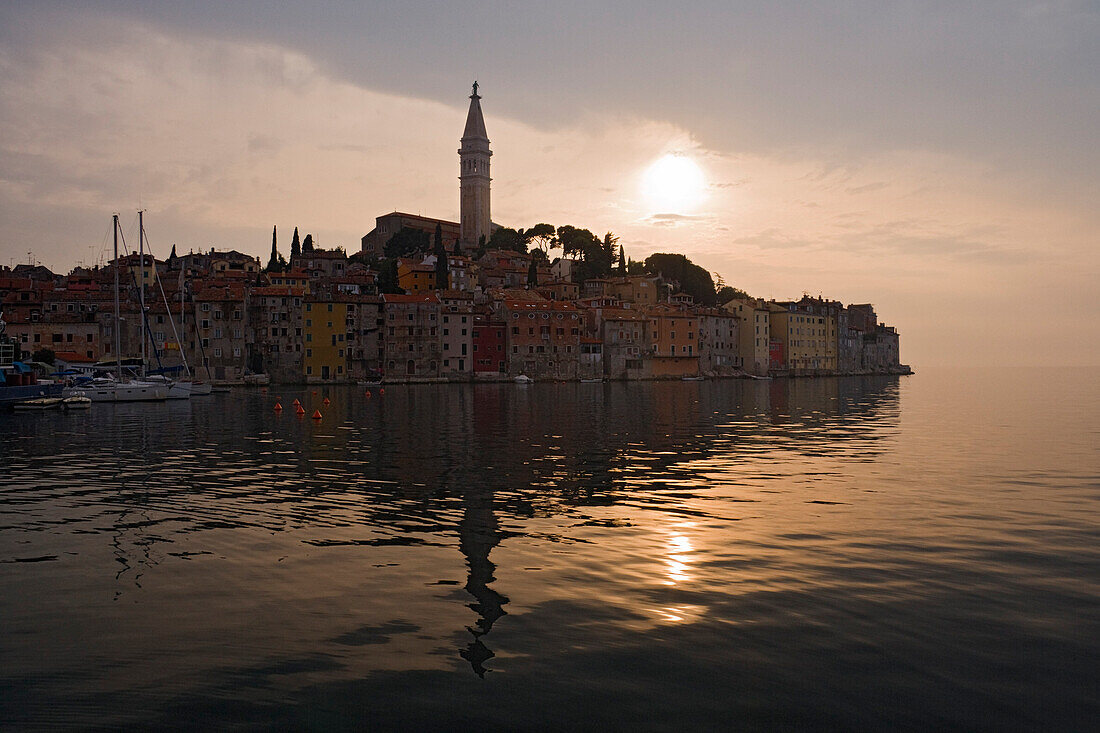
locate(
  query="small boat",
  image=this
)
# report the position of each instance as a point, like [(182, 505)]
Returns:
[(39, 403), (200, 389), (692, 379), (176, 390), (591, 381), (368, 383), (523, 379), (76, 402)]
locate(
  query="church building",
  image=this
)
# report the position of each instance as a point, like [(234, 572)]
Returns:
[(474, 214)]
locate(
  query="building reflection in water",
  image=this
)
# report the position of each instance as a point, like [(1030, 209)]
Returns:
[(427, 460)]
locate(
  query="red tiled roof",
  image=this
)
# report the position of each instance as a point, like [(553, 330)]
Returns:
[(421, 298)]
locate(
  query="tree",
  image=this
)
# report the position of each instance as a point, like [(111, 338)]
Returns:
[(574, 242), (622, 261), (533, 273), (694, 280), (387, 278), (295, 246), (307, 244), (46, 356), (609, 241), (406, 241), (457, 251), (507, 239), (276, 263), (635, 268), (726, 293), (442, 273), (543, 236)]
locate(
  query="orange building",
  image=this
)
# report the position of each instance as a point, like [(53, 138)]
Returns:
[(416, 277), (673, 341)]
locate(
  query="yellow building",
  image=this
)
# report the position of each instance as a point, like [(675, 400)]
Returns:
[(324, 328), (754, 333), (415, 277), (808, 339)]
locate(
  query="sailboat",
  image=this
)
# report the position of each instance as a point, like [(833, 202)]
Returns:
[(114, 388)]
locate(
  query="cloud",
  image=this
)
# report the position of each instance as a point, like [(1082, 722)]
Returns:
[(867, 187), (220, 139), (668, 220)]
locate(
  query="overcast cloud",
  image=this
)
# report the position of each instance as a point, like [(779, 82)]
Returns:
[(939, 160)]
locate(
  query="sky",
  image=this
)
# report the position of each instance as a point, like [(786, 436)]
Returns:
[(940, 160)]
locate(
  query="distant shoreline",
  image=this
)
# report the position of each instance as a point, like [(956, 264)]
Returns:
[(904, 372)]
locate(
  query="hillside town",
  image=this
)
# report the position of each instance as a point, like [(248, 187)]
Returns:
[(426, 299)]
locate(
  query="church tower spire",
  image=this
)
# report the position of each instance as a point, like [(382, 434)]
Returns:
[(473, 158)]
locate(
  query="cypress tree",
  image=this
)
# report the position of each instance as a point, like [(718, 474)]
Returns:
[(533, 274), (307, 243), (273, 264), (457, 252), (442, 273), (295, 245), (622, 260)]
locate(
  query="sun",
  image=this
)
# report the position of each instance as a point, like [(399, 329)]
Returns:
[(673, 184)]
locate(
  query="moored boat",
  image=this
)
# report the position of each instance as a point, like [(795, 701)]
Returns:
[(200, 389), (76, 402), (109, 390), (39, 403)]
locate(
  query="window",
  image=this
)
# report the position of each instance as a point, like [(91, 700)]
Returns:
[(217, 353), (205, 307), (237, 351)]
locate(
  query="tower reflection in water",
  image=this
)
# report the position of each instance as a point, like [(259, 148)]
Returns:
[(479, 533)]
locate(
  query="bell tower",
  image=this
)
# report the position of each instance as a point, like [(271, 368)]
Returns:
[(474, 175)]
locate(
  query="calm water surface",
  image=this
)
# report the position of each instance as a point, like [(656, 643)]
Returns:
[(851, 553)]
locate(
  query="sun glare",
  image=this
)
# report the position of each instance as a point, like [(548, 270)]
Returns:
[(673, 184)]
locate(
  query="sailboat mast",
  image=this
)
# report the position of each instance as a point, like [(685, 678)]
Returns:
[(141, 285), (118, 335)]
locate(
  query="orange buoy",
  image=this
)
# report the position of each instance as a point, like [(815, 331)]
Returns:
[(368, 393), (381, 390), (278, 407), (316, 415), (313, 392), (299, 409), (325, 401)]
